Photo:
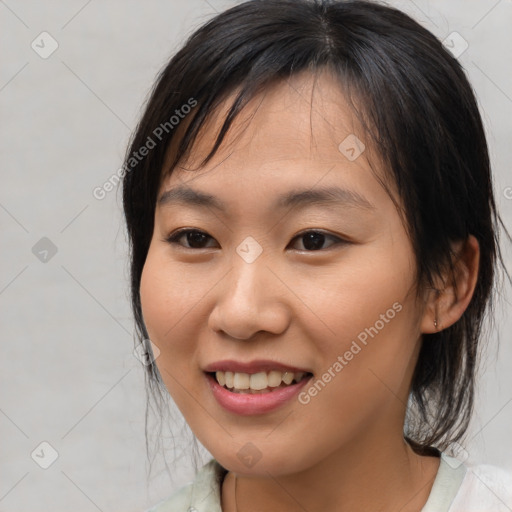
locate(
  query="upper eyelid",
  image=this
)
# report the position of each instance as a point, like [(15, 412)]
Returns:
[(176, 235), (195, 230)]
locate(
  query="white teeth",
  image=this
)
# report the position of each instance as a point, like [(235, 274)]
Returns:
[(241, 380), (228, 377), (288, 377), (220, 378), (256, 382), (274, 378)]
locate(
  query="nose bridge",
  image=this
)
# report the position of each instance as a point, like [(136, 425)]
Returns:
[(247, 301), (245, 282), (249, 271)]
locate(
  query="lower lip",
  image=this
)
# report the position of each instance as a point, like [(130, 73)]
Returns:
[(246, 404)]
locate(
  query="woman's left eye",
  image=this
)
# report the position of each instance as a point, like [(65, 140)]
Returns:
[(195, 239), (314, 240)]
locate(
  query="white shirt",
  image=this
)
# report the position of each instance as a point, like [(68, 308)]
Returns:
[(457, 488)]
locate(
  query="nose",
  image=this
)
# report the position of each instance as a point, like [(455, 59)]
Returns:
[(250, 299)]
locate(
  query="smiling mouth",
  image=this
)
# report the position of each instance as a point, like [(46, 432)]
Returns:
[(260, 382)]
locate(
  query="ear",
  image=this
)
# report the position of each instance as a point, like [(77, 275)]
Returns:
[(448, 301)]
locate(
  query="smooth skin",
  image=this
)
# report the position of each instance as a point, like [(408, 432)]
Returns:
[(299, 304)]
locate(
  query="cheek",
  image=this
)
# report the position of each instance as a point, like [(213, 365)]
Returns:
[(367, 355), (156, 299), (169, 294), (365, 291), (366, 314), (166, 303)]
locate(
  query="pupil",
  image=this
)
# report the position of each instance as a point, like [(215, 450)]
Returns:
[(195, 237), (313, 241)]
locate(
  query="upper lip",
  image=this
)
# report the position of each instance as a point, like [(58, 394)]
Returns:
[(260, 365)]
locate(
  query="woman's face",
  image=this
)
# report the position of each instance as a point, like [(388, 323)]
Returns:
[(257, 285)]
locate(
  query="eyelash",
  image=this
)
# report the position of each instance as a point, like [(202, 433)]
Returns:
[(174, 238)]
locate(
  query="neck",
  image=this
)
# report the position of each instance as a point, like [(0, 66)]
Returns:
[(386, 476)]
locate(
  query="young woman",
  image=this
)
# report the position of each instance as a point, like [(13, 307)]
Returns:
[(314, 240)]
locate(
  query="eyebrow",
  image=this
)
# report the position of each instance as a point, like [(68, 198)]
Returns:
[(295, 198)]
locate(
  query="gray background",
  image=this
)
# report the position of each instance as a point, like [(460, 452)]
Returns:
[(67, 372)]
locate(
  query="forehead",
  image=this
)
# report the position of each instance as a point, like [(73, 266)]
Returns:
[(297, 131)]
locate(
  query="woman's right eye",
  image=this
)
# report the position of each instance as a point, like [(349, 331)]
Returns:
[(193, 237)]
